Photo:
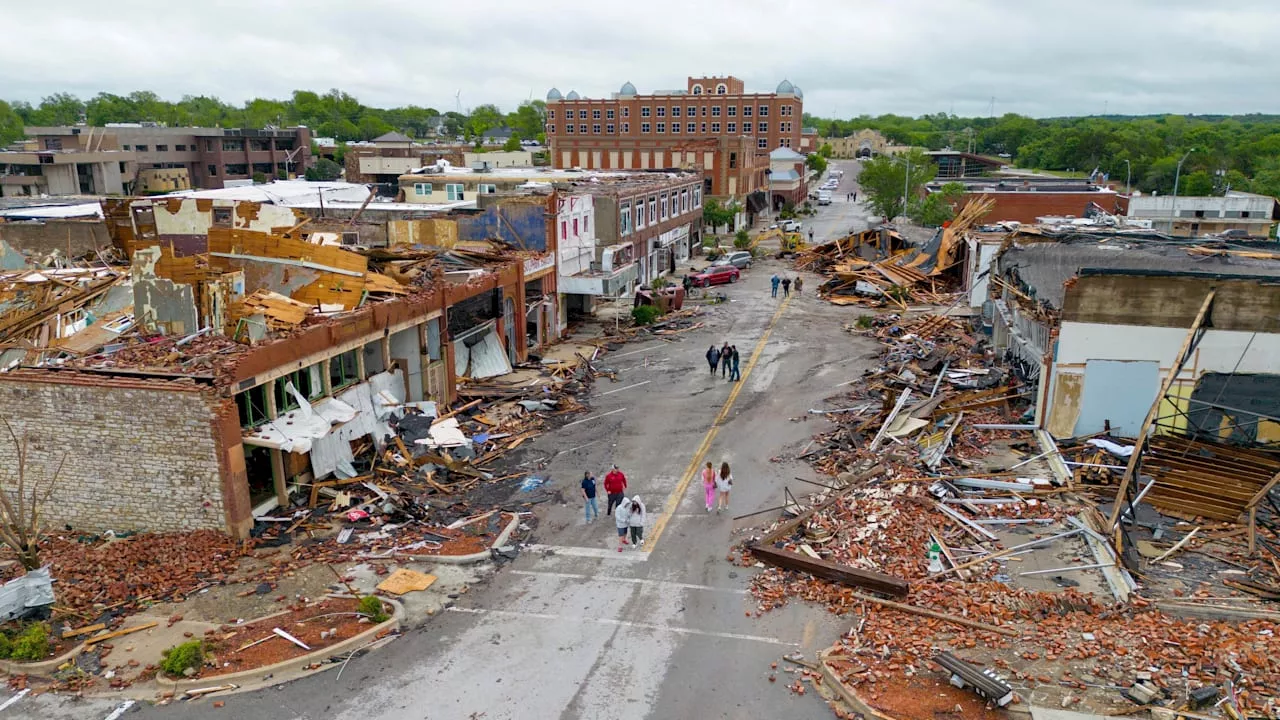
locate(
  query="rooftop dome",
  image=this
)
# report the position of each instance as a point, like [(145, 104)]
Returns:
[(798, 91), (554, 94), (627, 89), (785, 87), (573, 95)]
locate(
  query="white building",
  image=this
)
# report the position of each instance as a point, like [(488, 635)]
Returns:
[(1193, 216)]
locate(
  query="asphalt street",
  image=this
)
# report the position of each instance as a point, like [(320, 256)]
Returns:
[(575, 629)]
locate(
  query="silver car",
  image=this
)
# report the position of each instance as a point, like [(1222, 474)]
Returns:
[(740, 259)]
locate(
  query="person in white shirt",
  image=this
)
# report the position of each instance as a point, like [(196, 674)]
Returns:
[(622, 518), (724, 483), (637, 518)]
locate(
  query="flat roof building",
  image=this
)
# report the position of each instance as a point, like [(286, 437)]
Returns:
[(1192, 216)]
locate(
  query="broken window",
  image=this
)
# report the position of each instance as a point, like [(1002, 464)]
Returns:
[(306, 381), (222, 217), (252, 404), (433, 339), (344, 370)]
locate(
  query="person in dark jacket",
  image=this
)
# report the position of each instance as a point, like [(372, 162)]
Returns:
[(786, 287), (713, 358), (589, 496), (726, 354), (734, 375)]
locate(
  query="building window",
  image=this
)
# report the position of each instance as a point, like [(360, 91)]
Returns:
[(640, 214), (715, 111), (596, 128), (662, 207), (697, 196), (213, 170), (608, 114), (487, 188), (782, 127), (704, 111), (232, 145), (140, 148), (746, 111), (625, 220), (582, 129), (551, 129), (704, 128), (422, 189), (595, 114), (691, 128), (733, 127), (684, 200), (786, 142), (222, 217), (662, 127), (644, 127), (306, 381), (764, 126), (692, 111), (733, 111), (162, 148), (644, 112), (715, 128), (582, 114), (626, 112), (733, 160), (697, 89), (609, 128), (764, 111), (180, 148), (551, 114), (653, 211), (762, 143), (721, 89), (675, 111), (568, 128), (454, 191), (125, 147), (344, 370), (252, 404), (662, 112), (626, 127)]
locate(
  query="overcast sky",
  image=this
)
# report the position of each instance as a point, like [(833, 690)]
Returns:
[(1036, 57)]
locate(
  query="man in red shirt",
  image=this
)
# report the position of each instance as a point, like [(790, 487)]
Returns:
[(615, 486)]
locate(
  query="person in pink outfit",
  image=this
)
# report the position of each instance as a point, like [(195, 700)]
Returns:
[(709, 485)]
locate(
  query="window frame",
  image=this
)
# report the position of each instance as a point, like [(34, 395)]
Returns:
[(486, 188), (349, 360), (418, 189), (645, 111), (644, 128), (451, 188)]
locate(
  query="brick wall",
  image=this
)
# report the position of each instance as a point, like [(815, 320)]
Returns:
[(139, 456), (1025, 207)]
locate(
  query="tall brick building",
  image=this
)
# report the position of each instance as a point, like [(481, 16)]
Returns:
[(713, 125)]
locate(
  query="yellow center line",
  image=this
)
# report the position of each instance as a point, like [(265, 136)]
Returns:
[(690, 472)]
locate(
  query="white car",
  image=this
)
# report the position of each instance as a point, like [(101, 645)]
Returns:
[(791, 226)]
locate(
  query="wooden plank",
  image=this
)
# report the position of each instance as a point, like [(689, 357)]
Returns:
[(1263, 492), (87, 629), (843, 574), (118, 633), (1180, 359), (1008, 632)]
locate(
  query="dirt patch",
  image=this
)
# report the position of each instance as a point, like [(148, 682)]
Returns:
[(234, 651), (926, 697)]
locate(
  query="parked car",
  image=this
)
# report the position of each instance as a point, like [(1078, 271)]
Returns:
[(740, 259), (716, 275)]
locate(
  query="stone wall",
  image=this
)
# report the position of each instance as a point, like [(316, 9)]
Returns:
[(140, 454)]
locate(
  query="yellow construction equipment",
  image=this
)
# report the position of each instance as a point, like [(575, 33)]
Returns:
[(787, 241)]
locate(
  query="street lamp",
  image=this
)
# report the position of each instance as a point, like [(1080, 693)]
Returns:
[(1177, 175)]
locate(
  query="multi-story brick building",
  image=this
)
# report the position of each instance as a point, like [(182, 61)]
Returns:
[(713, 125)]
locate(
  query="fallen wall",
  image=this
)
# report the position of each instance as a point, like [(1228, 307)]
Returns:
[(38, 239), (139, 454)]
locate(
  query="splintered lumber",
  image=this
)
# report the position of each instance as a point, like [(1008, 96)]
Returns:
[(790, 525), (1010, 632), (1185, 539), (1006, 551), (843, 574), (99, 638), (83, 630), (290, 638)]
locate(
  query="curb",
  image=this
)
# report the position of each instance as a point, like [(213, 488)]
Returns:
[(846, 693), (293, 664), (466, 559), (43, 668)]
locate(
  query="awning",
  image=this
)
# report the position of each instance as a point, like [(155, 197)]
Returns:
[(478, 353)]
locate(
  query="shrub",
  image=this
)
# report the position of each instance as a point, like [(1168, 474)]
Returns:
[(660, 282), (741, 240), (645, 314), (180, 657), (32, 643), (371, 606), (864, 322), (6, 645)]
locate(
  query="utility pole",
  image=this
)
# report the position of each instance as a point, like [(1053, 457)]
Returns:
[(1128, 173), (1177, 175)]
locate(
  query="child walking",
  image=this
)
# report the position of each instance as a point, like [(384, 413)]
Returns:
[(724, 483)]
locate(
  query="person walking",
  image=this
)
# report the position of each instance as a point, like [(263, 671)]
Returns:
[(734, 375), (615, 485), (590, 508), (709, 485), (786, 287), (855, 196), (724, 483), (725, 355), (799, 284), (774, 281), (622, 521), (713, 358), (810, 236), (636, 520)]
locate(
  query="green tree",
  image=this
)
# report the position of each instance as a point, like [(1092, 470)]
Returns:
[(937, 208), (512, 144), (324, 169), (371, 126), (483, 119), (1197, 184), (884, 179), (58, 109), (826, 150), (715, 214), (529, 119), (455, 124), (10, 124), (816, 162)]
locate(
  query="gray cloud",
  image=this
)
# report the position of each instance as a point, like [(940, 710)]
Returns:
[(1037, 57)]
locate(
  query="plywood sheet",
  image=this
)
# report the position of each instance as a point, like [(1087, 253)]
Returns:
[(404, 581), (1066, 404)]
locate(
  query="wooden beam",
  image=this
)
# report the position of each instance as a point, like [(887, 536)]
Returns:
[(1175, 370), (99, 638), (843, 574), (1257, 498), (1009, 632)]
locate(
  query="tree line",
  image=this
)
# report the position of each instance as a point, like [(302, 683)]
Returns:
[(333, 114), (1228, 152)]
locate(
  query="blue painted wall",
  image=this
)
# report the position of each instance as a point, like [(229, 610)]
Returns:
[(522, 225)]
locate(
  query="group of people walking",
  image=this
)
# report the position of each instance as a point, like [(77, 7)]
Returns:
[(726, 358), (786, 284), (717, 485), (629, 513)]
